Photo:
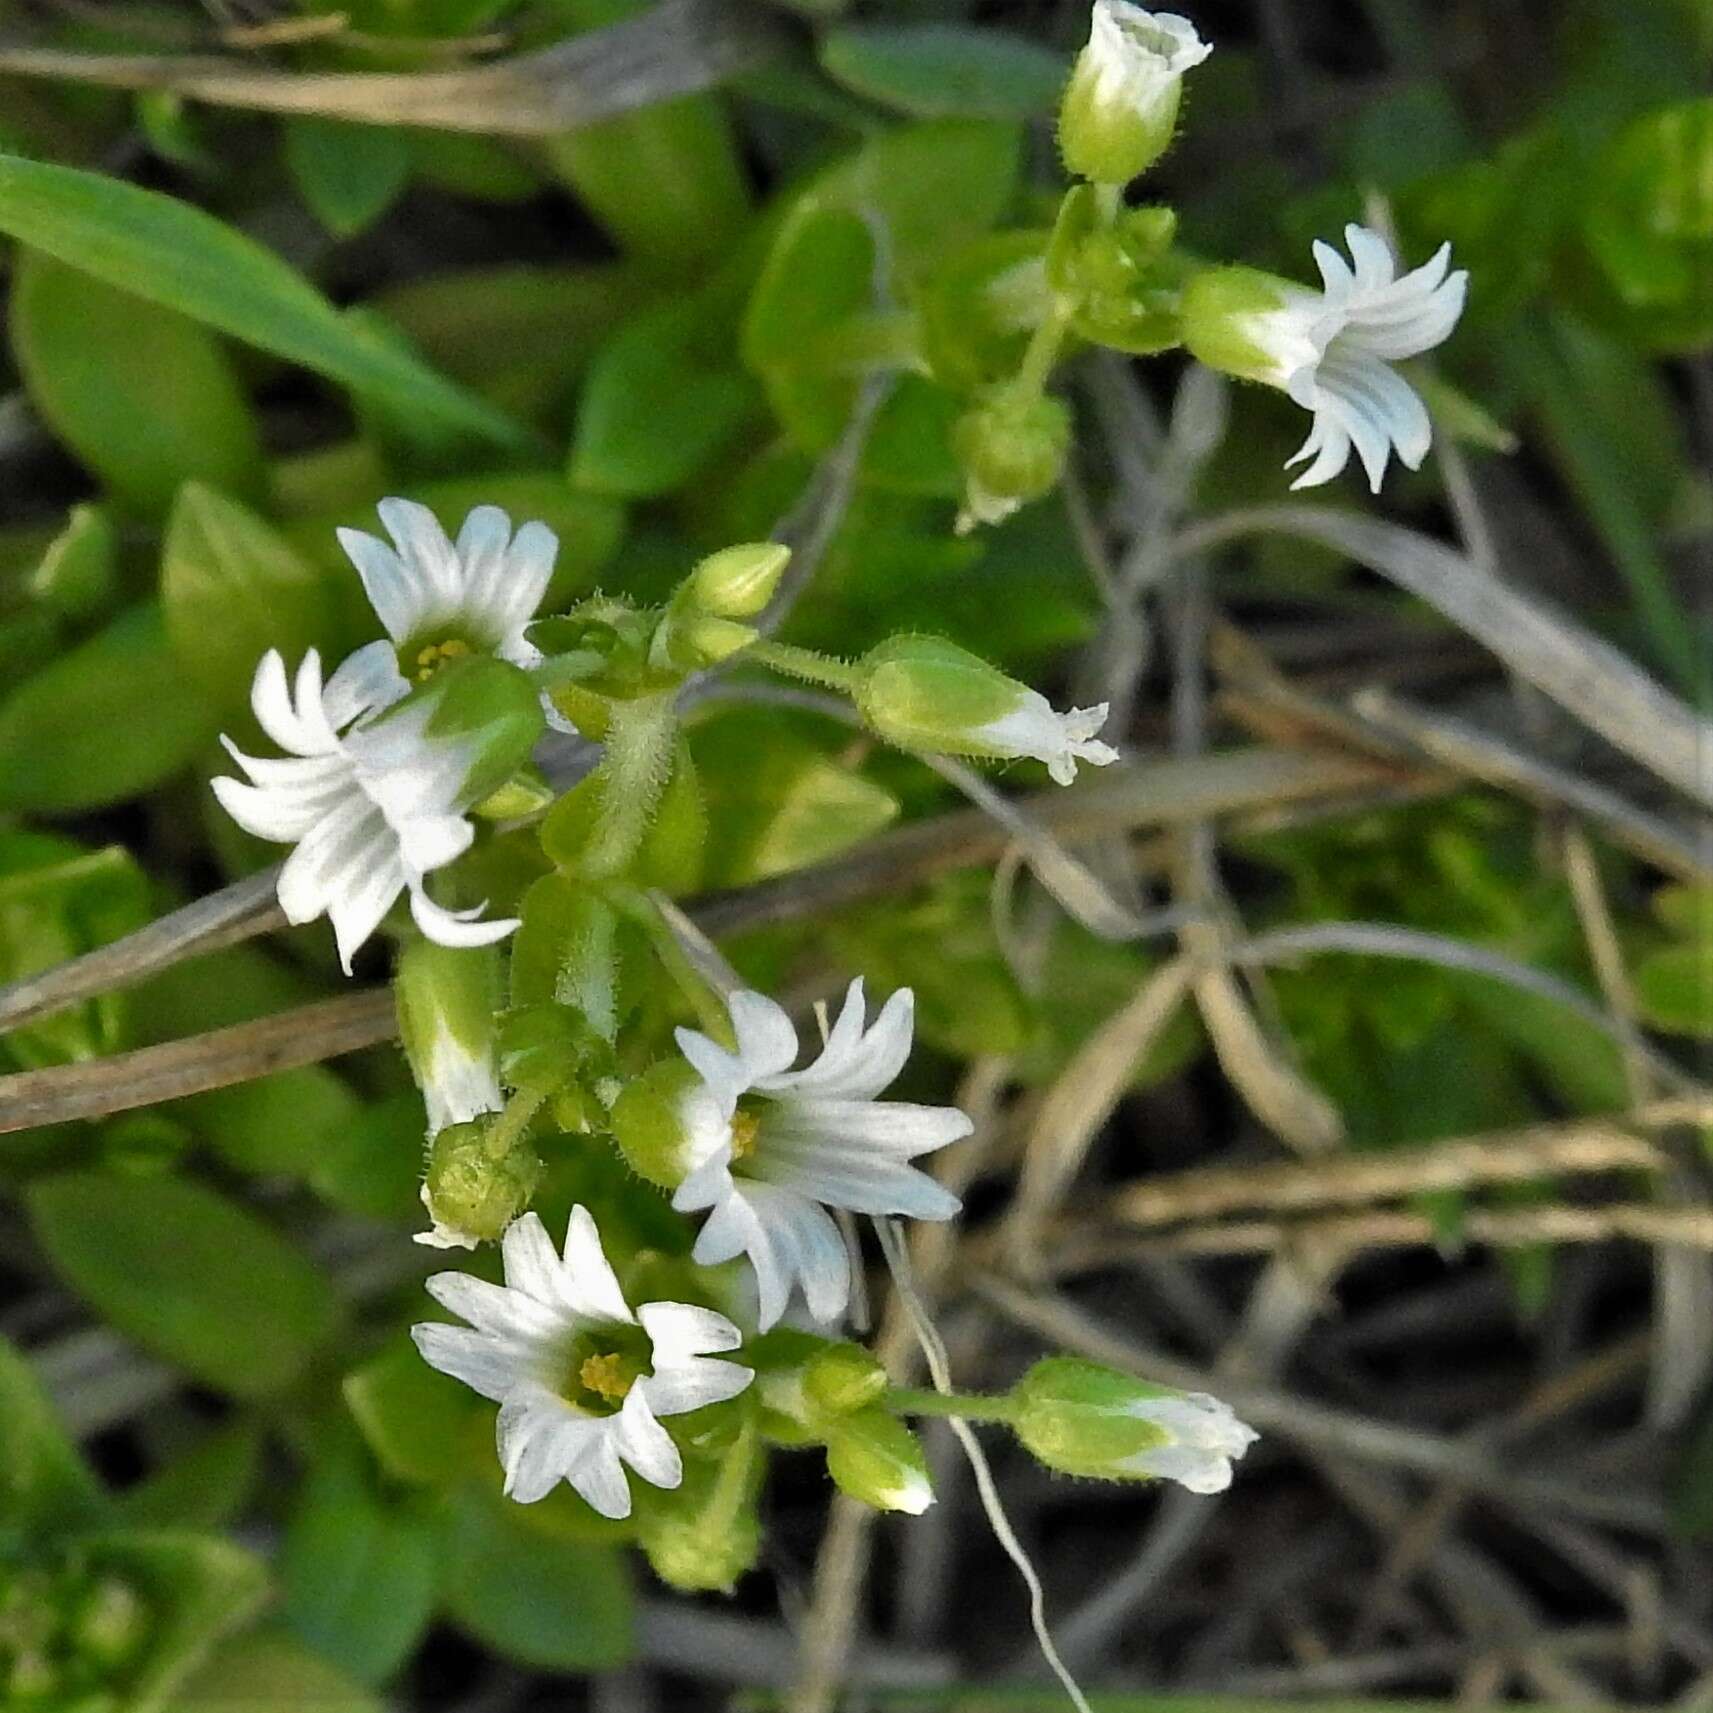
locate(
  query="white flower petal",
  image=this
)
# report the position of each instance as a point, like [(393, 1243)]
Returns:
[(587, 1283), (600, 1477), (767, 1041), (467, 1356), (680, 1331), (644, 1444), (365, 682), (457, 927)]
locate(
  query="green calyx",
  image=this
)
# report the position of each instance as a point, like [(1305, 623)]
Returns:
[(446, 997), (737, 582), (1108, 140), (648, 1123), (1082, 1419), (1222, 314), (480, 1177), (1012, 443), (923, 693), (874, 1457)]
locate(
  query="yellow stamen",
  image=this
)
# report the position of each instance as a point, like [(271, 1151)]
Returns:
[(745, 1128), (429, 660), (608, 1376)]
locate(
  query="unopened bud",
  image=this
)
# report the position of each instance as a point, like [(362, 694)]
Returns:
[(874, 1457), (1082, 1419), (478, 1182), (1011, 447), (840, 1379), (447, 997), (737, 582), (1121, 107), (926, 694)]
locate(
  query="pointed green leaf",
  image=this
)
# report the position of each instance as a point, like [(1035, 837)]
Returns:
[(45, 1485)]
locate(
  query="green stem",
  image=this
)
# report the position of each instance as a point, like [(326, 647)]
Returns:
[(806, 664), (1043, 349), (507, 1129), (969, 1406), (632, 774)]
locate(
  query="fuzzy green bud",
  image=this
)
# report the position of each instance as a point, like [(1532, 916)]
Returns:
[(923, 693), (1082, 1419), (737, 582), (1011, 446), (840, 1379), (1121, 107), (704, 1534), (1240, 321), (479, 1180), (447, 997), (651, 1125), (874, 1457), (109, 1624)]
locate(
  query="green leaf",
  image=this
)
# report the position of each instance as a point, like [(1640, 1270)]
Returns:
[(231, 589), (371, 1162), (1675, 988), (145, 397), (776, 800), (414, 1419), (558, 1605), (348, 174), (199, 1587), (358, 1572), (79, 574), (57, 901), (1685, 909), (658, 406), (204, 1488), (45, 1486), (267, 1671), (58, 754), (180, 257), (190, 1275), (945, 71)]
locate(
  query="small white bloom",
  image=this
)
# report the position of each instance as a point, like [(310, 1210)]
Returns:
[(372, 811), (771, 1149), (1121, 105), (1134, 54), (440, 599), (1205, 1437), (581, 1381), (1035, 728), (1333, 351)]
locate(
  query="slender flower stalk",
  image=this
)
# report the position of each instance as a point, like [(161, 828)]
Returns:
[(581, 1380)]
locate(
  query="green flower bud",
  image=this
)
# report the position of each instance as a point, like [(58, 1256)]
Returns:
[(702, 639), (478, 1182), (649, 1122), (1082, 1419), (840, 1379), (1246, 323), (926, 694), (446, 998), (737, 582), (704, 1534), (1121, 107), (1011, 446), (874, 1457), (109, 1623), (1116, 275)]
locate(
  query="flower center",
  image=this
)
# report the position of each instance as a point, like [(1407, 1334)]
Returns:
[(602, 1369), (434, 655), (746, 1126)]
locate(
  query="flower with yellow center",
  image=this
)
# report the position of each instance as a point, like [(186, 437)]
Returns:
[(581, 1381)]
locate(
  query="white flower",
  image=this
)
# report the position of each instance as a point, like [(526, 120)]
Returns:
[(372, 812), (770, 1149), (581, 1381), (1204, 1437), (438, 599), (1121, 105), (1333, 353), (1035, 728), (1134, 54)]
